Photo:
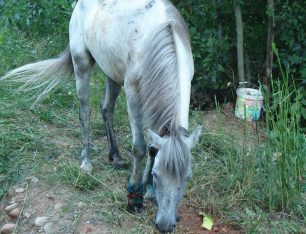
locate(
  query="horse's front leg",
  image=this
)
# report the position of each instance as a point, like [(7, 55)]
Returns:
[(112, 90), (147, 175), (135, 186), (82, 64)]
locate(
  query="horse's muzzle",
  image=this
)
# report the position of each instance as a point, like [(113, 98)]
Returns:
[(164, 231)]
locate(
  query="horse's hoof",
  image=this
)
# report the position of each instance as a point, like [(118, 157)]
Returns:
[(86, 167), (150, 195), (135, 202), (120, 163)]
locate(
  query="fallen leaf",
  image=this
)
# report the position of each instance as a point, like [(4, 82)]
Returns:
[(208, 222)]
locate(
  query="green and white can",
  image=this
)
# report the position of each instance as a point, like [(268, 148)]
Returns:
[(248, 104)]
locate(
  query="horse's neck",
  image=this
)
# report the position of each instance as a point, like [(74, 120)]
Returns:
[(185, 74)]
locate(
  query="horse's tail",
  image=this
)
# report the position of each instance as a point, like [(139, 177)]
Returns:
[(43, 75)]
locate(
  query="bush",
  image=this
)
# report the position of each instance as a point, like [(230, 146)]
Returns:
[(37, 17), (213, 35)]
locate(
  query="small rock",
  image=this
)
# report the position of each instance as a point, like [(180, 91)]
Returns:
[(15, 213), (7, 228), (58, 206), (10, 207), (88, 228), (50, 197), (34, 179), (27, 214), (40, 221), (49, 228), (81, 204), (19, 190)]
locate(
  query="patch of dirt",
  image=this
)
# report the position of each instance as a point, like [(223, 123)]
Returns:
[(234, 126), (64, 215), (191, 221)]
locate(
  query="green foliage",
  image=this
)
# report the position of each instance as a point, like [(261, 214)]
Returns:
[(212, 46), (213, 35), (37, 17), (291, 37)]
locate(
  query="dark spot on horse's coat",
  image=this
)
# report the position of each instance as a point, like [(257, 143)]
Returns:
[(150, 4), (136, 31), (114, 3)]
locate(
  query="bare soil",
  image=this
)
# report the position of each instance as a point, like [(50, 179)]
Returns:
[(38, 200)]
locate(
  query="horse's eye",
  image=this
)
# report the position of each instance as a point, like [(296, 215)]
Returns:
[(154, 174)]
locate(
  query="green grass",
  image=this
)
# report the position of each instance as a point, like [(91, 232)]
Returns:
[(253, 187)]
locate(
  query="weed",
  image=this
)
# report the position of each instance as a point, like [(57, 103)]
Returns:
[(283, 157), (71, 172)]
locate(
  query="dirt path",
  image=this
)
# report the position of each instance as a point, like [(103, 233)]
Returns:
[(41, 209)]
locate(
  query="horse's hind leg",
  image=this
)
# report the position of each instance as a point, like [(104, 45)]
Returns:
[(112, 90), (83, 63)]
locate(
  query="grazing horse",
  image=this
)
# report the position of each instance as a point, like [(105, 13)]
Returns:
[(143, 46)]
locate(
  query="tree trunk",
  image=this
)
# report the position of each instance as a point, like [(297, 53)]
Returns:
[(247, 67), (270, 40), (239, 29)]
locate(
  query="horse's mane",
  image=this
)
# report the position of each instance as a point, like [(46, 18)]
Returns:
[(176, 157), (158, 83)]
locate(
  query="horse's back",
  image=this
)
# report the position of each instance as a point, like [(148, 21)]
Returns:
[(114, 32)]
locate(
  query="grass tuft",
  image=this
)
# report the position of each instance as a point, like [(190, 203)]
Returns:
[(71, 173)]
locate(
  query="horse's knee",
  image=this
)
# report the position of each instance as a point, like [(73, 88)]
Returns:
[(105, 112), (139, 149)]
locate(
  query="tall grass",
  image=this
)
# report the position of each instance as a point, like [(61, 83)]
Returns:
[(257, 185), (283, 156)]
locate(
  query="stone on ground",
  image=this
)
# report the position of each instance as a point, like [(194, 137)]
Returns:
[(7, 228), (49, 228), (19, 190), (15, 213), (10, 207), (40, 221)]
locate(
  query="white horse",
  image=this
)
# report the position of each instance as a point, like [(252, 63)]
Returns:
[(144, 47)]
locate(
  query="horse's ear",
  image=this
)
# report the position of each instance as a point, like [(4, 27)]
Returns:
[(155, 140), (194, 138)]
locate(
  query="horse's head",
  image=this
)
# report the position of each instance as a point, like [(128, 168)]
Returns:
[(171, 171)]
